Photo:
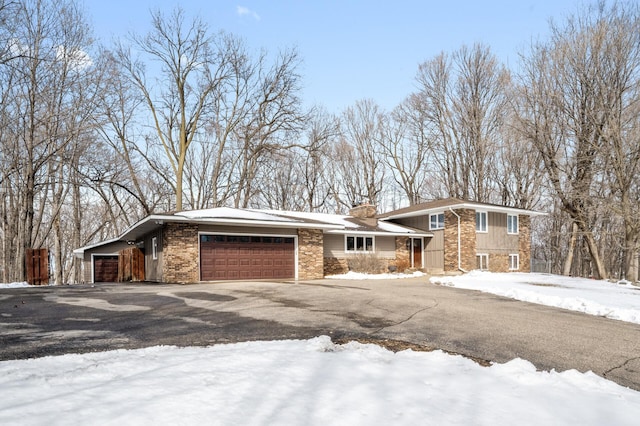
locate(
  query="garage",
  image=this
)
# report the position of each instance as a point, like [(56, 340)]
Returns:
[(238, 257), (105, 268)]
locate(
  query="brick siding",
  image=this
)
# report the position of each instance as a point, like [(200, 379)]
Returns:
[(524, 241), (180, 253), (467, 240), (335, 266), (310, 254), (498, 262), (402, 261)]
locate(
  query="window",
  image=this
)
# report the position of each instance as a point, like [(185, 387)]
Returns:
[(357, 244), (512, 224), (514, 262), (436, 221), (481, 221), (482, 262), (154, 248)]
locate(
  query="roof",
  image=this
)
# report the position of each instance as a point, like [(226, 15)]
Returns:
[(80, 251), (348, 224), (453, 204), (329, 223)]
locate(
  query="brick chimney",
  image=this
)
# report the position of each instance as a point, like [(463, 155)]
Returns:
[(365, 212)]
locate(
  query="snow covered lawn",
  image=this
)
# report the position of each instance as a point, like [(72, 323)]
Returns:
[(317, 382), (362, 276), (310, 382), (594, 297), (14, 285)]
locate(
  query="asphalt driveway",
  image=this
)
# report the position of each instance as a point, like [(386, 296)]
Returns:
[(69, 319)]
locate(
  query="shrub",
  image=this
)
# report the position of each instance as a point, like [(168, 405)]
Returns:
[(366, 263), (402, 265)]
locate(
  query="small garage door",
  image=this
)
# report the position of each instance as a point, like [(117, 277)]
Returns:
[(105, 269), (233, 257)]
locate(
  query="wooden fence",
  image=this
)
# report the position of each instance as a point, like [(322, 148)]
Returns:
[(130, 265), (37, 263)]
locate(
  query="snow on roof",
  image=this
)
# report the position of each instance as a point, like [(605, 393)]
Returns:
[(392, 227), (348, 223), (332, 219), (232, 213)]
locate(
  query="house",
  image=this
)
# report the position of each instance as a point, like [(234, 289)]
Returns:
[(235, 244)]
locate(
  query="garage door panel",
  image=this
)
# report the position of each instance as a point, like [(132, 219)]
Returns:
[(105, 269), (232, 257)]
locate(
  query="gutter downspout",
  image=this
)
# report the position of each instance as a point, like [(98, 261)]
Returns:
[(459, 246)]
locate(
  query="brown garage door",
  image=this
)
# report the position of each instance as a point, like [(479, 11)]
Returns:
[(105, 269), (232, 257)]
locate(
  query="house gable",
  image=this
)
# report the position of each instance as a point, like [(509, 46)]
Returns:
[(463, 245)]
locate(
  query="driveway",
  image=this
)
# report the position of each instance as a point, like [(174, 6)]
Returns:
[(70, 319)]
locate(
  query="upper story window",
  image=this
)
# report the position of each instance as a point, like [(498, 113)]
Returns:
[(481, 222), (512, 224), (358, 244), (436, 221)]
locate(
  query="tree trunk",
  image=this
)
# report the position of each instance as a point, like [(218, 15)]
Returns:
[(572, 245), (595, 256)]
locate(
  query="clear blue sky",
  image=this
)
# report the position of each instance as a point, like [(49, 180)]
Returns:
[(354, 49)]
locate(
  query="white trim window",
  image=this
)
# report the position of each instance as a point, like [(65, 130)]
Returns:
[(514, 262), (436, 221), (482, 262), (481, 222), (512, 224), (359, 244), (154, 248)]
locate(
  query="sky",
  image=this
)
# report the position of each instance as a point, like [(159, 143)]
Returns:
[(353, 50)]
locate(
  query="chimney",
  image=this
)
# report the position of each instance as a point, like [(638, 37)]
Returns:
[(366, 212)]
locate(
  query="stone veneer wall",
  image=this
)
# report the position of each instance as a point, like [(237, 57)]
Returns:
[(403, 261), (524, 242), (180, 253), (335, 266), (467, 240), (310, 254), (499, 262)]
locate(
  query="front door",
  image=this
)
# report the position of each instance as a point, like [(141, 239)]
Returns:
[(416, 253)]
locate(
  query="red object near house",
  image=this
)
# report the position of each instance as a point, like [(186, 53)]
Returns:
[(130, 265), (37, 263)]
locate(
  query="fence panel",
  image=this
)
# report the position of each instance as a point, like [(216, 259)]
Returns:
[(130, 265), (37, 263)]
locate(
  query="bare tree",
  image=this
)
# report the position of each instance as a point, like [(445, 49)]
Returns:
[(360, 171), (8, 10), (618, 32), (463, 99), (578, 103), (47, 86), (273, 122), (405, 144), (190, 70), (323, 130)]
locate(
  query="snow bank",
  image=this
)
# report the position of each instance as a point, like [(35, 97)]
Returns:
[(14, 285), (310, 382), (594, 297), (362, 276)]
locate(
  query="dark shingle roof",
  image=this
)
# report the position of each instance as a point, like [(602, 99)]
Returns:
[(446, 203)]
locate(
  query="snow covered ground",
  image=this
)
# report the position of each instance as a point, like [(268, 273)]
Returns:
[(317, 382), (14, 285), (310, 382), (360, 276), (620, 301)]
